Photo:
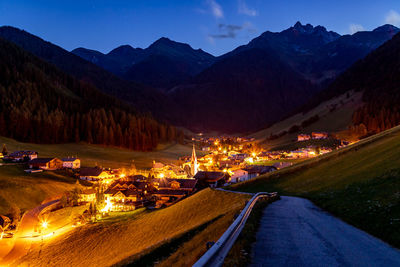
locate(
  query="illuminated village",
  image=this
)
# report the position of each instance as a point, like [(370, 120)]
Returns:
[(199, 133), (225, 160)]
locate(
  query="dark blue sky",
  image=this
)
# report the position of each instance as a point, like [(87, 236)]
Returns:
[(104, 25)]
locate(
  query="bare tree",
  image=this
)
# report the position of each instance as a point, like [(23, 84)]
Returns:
[(15, 213)]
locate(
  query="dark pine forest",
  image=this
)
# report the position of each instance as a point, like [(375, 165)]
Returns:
[(41, 104)]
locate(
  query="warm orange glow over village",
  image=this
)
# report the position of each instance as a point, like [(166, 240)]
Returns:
[(199, 133)]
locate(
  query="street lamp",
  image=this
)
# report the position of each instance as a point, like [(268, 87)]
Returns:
[(45, 224)]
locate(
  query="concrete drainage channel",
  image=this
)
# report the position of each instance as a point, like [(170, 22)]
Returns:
[(216, 254)]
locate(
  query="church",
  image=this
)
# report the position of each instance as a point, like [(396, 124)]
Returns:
[(192, 167)]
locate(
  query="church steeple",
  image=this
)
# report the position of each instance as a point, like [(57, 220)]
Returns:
[(193, 162)]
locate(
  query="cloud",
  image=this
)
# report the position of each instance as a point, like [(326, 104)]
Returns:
[(393, 18), (211, 39), (216, 9), (244, 9), (353, 28), (231, 30)]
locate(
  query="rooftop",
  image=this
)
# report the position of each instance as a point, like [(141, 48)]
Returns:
[(41, 160)]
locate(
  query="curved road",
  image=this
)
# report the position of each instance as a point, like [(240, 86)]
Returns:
[(295, 232), (26, 229)]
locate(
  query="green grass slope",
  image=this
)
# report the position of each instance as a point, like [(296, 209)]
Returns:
[(29, 190), (334, 116), (359, 183)]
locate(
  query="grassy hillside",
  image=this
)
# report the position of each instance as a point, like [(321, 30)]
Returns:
[(123, 240), (359, 183), (334, 116), (29, 190), (103, 156)]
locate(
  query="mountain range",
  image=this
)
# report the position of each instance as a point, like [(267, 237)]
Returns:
[(274, 75), (164, 63), (143, 98), (246, 89), (42, 104)]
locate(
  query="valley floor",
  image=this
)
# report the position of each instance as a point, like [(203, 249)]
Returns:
[(295, 232), (105, 156)]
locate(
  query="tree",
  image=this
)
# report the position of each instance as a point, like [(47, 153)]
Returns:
[(4, 150), (92, 209), (75, 196), (15, 213), (4, 227), (64, 201)]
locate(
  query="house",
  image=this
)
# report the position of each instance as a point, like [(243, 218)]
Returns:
[(303, 137), (211, 178), (21, 156), (71, 163), (256, 170), (168, 196), (187, 185), (124, 196), (239, 176), (303, 153), (280, 165), (136, 177), (87, 195), (274, 155), (168, 190), (94, 174), (45, 163), (142, 187), (320, 135), (240, 156), (160, 170)]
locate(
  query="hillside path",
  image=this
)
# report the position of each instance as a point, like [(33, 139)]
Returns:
[(25, 232), (295, 232)]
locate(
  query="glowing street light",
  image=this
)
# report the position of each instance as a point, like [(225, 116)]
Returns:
[(250, 160), (44, 224), (122, 175), (162, 175), (108, 206)]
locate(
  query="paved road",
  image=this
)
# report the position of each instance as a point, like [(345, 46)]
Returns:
[(295, 232), (26, 229)]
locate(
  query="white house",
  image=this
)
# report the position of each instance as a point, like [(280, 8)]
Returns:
[(239, 176), (71, 163), (303, 137)]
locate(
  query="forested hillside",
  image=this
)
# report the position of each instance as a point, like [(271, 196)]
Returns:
[(378, 77), (39, 103), (143, 98)]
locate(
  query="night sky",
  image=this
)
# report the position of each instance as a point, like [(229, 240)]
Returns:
[(216, 26)]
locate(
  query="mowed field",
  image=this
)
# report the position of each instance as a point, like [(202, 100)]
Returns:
[(359, 183), (29, 190), (109, 157), (125, 239)]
